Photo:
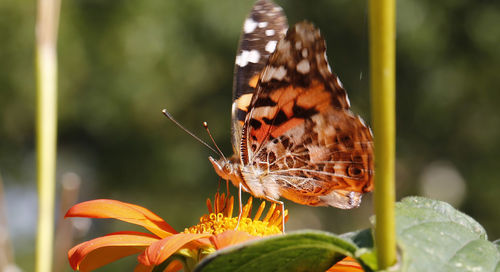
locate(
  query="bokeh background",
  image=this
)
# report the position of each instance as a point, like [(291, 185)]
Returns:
[(123, 61)]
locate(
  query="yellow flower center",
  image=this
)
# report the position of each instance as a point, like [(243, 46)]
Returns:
[(217, 223), (220, 218)]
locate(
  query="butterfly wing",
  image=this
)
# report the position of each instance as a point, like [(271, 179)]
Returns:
[(264, 27), (300, 136)]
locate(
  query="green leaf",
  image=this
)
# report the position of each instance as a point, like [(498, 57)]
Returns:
[(365, 254), (299, 251), (362, 238), (431, 235), (497, 244), (434, 236)]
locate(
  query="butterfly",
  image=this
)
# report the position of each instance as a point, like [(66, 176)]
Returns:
[(293, 133)]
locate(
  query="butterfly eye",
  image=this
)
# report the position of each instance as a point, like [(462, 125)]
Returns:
[(354, 171)]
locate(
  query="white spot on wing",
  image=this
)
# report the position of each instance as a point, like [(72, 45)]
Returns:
[(254, 56), (277, 73), (280, 73), (303, 66), (239, 61), (249, 25), (262, 24), (305, 53), (283, 46), (247, 56), (270, 32), (298, 45), (348, 101), (271, 46)]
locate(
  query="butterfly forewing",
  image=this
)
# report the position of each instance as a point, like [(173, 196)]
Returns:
[(264, 27), (293, 132), (299, 134)]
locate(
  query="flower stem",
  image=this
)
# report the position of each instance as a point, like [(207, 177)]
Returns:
[(46, 120), (382, 66)]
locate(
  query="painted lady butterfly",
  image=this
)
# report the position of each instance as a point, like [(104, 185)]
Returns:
[(293, 132)]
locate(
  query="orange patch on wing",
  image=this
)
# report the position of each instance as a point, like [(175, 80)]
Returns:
[(288, 108), (253, 81), (260, 133), (316, 97), (280, 130), (284, 95), (244, 101), (285, 98)]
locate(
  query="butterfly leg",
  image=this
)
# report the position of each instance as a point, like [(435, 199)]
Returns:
[(282, 216), (282, 211), (241, 206)]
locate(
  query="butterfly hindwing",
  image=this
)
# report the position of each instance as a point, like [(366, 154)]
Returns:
[(300, 131), (294, 135), (264, 27)]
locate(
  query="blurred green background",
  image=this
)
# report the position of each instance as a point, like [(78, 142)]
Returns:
[(123, 61)]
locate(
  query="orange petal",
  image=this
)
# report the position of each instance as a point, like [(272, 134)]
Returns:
[(230, 237), (103, 250), (347, 264), (174, 266), (108, 208), (159, 251), (230, 206), (143, 268), (202, 242), (247, 209)]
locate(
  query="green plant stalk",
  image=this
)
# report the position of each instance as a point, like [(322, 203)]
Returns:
[(46, 128), (382, 67)]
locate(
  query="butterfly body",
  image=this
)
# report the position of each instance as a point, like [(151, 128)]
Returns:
[(294, 135)]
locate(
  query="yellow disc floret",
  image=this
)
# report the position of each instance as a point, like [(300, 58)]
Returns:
[(220, 218)]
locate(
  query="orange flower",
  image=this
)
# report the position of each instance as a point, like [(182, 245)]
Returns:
[(216, 230), (347, 264)]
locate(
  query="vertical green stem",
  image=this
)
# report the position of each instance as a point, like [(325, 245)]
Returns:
[(382, 66), (46, 119)]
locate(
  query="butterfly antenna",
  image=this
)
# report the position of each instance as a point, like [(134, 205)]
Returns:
[(205, 125), (169, 116)]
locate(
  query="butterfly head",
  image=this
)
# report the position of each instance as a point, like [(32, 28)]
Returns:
[(227, 169)]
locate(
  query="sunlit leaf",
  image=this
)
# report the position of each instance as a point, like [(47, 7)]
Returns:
[(433, 236), (300, 251)]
